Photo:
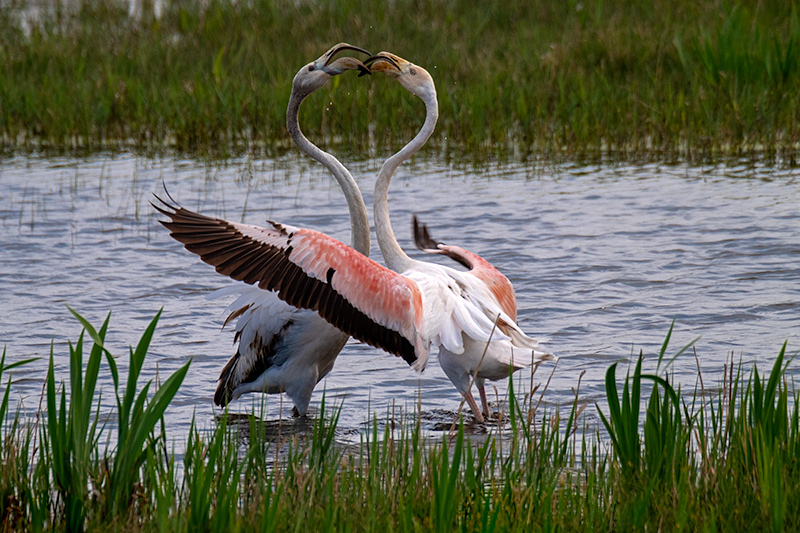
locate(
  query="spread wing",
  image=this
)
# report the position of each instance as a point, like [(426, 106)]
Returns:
[(309, 270)]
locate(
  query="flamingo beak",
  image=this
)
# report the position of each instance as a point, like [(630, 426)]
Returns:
[(346, 63), (327, 64), (383, 62), (335, 49)]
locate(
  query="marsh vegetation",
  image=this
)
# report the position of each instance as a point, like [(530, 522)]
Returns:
[(718, 456), (514, 78)]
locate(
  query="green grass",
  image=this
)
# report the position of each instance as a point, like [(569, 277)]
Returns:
[(513, 78), (708, 460)]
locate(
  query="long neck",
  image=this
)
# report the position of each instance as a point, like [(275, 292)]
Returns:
[(394, 256), (359, 221)]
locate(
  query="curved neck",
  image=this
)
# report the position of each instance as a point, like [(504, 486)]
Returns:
[(359, 221), (394, 256)]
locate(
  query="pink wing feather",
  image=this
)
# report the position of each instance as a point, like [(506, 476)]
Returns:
[(479, 267)]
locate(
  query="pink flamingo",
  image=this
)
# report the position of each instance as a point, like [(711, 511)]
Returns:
[(467, 304), (283, 348)]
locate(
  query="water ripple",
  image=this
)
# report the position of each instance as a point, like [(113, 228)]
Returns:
[(603, 257)]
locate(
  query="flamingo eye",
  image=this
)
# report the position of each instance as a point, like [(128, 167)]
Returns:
[(311, 68), (413, 72)]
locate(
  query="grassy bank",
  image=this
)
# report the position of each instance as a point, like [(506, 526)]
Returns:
[(513, 77), (726, 458)]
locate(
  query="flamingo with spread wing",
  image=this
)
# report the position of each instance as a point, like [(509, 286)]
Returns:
[(283, 348)]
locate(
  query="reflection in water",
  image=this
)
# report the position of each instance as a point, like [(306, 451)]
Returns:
[(602, 256)]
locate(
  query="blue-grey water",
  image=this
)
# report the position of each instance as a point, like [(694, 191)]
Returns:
[(603, 257)]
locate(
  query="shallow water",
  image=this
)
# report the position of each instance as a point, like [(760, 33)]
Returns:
[(603, 256)]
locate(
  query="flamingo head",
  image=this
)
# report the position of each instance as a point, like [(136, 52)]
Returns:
[(414, 78), (317, 73)]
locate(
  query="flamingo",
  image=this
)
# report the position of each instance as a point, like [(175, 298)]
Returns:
[(283, 348), (464, 354), (402, 312)]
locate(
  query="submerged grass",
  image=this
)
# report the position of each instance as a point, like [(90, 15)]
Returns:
[(513, 77), (706, 461)]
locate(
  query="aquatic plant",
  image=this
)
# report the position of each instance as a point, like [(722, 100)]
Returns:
[(70, 455), (661, 458)]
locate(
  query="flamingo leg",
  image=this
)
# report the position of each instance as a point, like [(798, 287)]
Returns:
[(484, 402), (474, 406)]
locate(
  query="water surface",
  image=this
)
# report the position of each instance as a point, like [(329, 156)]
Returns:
[(603, 257)]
